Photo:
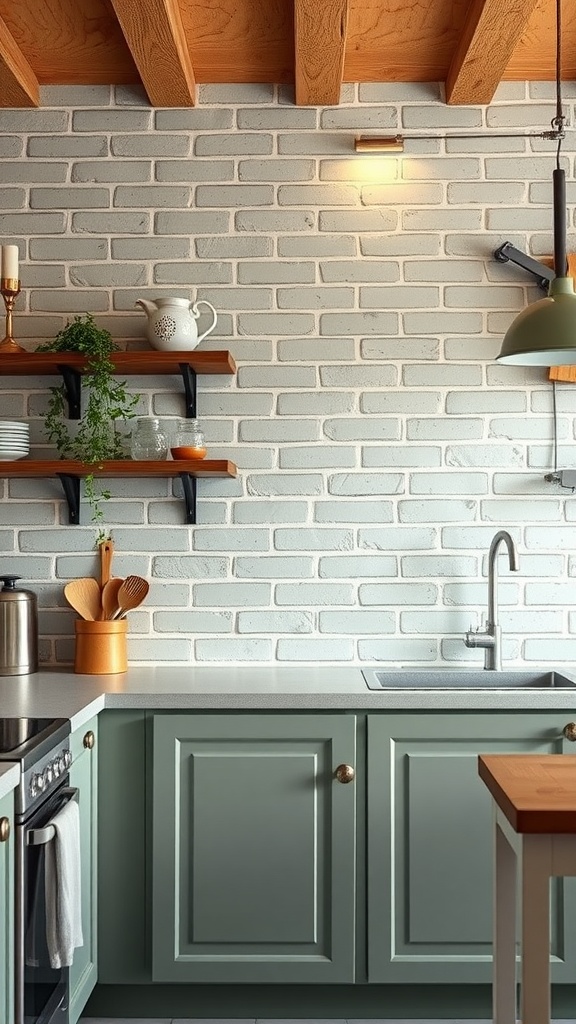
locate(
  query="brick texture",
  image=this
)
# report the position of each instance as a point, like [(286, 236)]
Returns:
[(378, 443)]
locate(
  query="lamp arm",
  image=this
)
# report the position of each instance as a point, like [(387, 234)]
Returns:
[(509, 253)]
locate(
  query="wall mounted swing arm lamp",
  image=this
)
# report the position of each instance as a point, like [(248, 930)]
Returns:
[(379, 144), (544, 334), (395, 143)]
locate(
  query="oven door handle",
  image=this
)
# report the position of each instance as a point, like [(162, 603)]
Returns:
[(41, 836)]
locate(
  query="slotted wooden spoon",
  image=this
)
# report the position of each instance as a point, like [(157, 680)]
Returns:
[(131, 594), (84, 596)]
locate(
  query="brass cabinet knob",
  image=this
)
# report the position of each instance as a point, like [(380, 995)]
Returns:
[(89, 740), (570, 731), (4, 829), (345, 773)]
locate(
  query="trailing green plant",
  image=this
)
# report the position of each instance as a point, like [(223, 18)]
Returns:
[(106, 405)]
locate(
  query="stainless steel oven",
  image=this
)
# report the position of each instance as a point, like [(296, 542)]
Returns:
[(41, 746)]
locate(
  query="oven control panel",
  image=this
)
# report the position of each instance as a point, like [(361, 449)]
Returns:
[(42, 776), (41, 780)]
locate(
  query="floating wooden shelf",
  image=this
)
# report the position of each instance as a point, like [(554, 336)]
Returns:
[(70, 473), (565, 373), (147, 362), (117, 467), (71, 365)]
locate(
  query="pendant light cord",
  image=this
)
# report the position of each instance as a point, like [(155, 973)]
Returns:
[(559, 120), (559, 177)]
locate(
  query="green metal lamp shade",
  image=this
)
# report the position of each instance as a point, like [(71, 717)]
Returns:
[(544, 334)]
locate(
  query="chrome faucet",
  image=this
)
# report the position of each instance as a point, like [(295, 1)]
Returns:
[(491, 637)]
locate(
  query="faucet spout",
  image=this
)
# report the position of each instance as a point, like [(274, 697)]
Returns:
[(491, 637), (502, 537)]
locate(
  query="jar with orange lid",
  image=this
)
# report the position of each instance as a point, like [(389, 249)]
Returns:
[(189, 441)]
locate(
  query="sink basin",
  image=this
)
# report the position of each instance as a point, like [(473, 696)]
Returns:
[(465, 679)]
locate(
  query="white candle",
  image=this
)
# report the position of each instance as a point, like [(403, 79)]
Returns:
[(9, 261)]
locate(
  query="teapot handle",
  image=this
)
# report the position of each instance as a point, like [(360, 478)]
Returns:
[(196, 313)]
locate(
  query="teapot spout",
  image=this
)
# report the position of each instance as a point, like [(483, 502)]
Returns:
[(147, 305)]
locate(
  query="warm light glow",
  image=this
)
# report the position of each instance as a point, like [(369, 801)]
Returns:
[(382, 144), (367, 171)]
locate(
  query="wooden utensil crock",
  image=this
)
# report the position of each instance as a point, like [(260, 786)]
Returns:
[(101, 646)]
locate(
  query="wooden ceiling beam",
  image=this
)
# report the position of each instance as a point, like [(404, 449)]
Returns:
[(155, 35), (18, 84), (490, 33), (320, 41)]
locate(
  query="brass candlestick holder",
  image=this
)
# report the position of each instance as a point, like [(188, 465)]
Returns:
[(10, 288)]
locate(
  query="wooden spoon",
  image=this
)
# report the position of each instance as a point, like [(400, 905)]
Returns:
[(131, 594), (110, 597), (84, 596)]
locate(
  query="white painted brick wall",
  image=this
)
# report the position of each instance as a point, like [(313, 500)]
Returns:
[(379, 445)]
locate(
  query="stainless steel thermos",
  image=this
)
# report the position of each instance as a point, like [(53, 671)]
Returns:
[(18, 629)]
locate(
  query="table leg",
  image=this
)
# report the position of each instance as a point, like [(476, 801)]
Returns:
[(504, 987), (535, 984)]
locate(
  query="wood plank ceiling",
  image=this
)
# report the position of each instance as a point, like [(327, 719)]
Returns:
[(171, 45)]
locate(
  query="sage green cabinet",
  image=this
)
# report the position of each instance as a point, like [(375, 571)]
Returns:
[(430, 851), (84, 776), (7, 909), (253, 850)]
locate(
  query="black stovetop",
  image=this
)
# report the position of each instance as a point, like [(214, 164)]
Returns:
[(20, 735)]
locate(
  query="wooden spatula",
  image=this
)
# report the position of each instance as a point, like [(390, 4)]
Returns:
[(84, 596)]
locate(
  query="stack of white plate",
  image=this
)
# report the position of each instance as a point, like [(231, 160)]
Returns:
[(14, 440)]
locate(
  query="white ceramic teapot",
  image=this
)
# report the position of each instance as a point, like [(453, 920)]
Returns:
[(172, 323)]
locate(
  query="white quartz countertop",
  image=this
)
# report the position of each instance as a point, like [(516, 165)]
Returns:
[(60, 693)]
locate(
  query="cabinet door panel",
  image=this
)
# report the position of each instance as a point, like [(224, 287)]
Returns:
[(430, 846), (444, 852), (245, 890), (253, 864)]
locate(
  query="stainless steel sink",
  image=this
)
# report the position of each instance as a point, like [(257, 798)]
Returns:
[(456, 679)]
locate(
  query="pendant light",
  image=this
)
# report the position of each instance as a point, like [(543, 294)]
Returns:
[(544, 334)]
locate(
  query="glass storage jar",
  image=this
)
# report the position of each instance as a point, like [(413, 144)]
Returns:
[(148, 440), (189, 441)]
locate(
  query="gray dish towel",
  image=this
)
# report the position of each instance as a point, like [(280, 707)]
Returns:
[(63, 887)]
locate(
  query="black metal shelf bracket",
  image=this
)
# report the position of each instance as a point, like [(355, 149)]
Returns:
[(189, 483), (189, 378), (73, 384), (509, 253), (71, 487)]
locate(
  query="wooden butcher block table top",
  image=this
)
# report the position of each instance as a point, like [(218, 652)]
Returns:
[(536, 792)]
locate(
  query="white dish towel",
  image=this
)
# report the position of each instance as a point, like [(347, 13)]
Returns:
[(63, 887)]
